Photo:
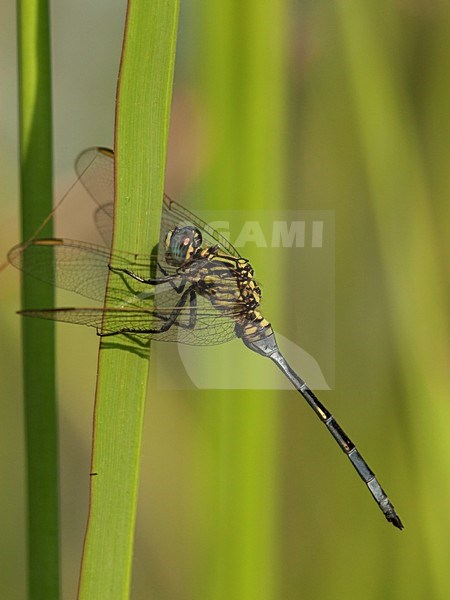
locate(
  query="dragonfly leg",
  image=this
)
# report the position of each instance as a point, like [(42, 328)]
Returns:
[(192, 312), (171, 319), (168, 278), (177, 288), (128, 284)]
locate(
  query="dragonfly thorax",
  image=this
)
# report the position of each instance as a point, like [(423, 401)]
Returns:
[(227, 281)]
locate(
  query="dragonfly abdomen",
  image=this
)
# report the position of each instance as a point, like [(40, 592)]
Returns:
[(253, 327)]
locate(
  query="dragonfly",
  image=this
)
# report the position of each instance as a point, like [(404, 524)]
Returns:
[(195, 288)]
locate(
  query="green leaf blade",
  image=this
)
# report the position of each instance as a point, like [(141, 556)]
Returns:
[(142, 120)]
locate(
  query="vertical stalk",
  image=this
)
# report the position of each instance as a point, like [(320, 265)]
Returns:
[(35, 110)]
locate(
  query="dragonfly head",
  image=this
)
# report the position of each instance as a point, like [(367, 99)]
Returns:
[(181, 243)]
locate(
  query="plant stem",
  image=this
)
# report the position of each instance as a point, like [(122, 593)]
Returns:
[(35, 110)]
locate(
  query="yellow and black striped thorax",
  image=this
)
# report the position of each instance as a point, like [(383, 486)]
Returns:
[(228, 282)]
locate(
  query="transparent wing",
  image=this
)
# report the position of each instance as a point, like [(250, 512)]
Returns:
[(103, 218), (95, 168), (135, 307), (139, 321), (174, 215), (83, 268), (73, 265)]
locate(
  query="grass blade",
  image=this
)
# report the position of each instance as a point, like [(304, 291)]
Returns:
[(142, 118), (35, 109)]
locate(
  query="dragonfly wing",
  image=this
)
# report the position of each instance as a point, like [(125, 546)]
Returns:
[(84, 268), (143, 323), (103, 218), (175, 215), (68, 264), (77, 266), (95, 168)]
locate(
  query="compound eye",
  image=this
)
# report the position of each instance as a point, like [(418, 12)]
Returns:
[(181, 243)]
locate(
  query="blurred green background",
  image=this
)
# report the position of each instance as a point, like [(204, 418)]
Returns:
[(336, 105)]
